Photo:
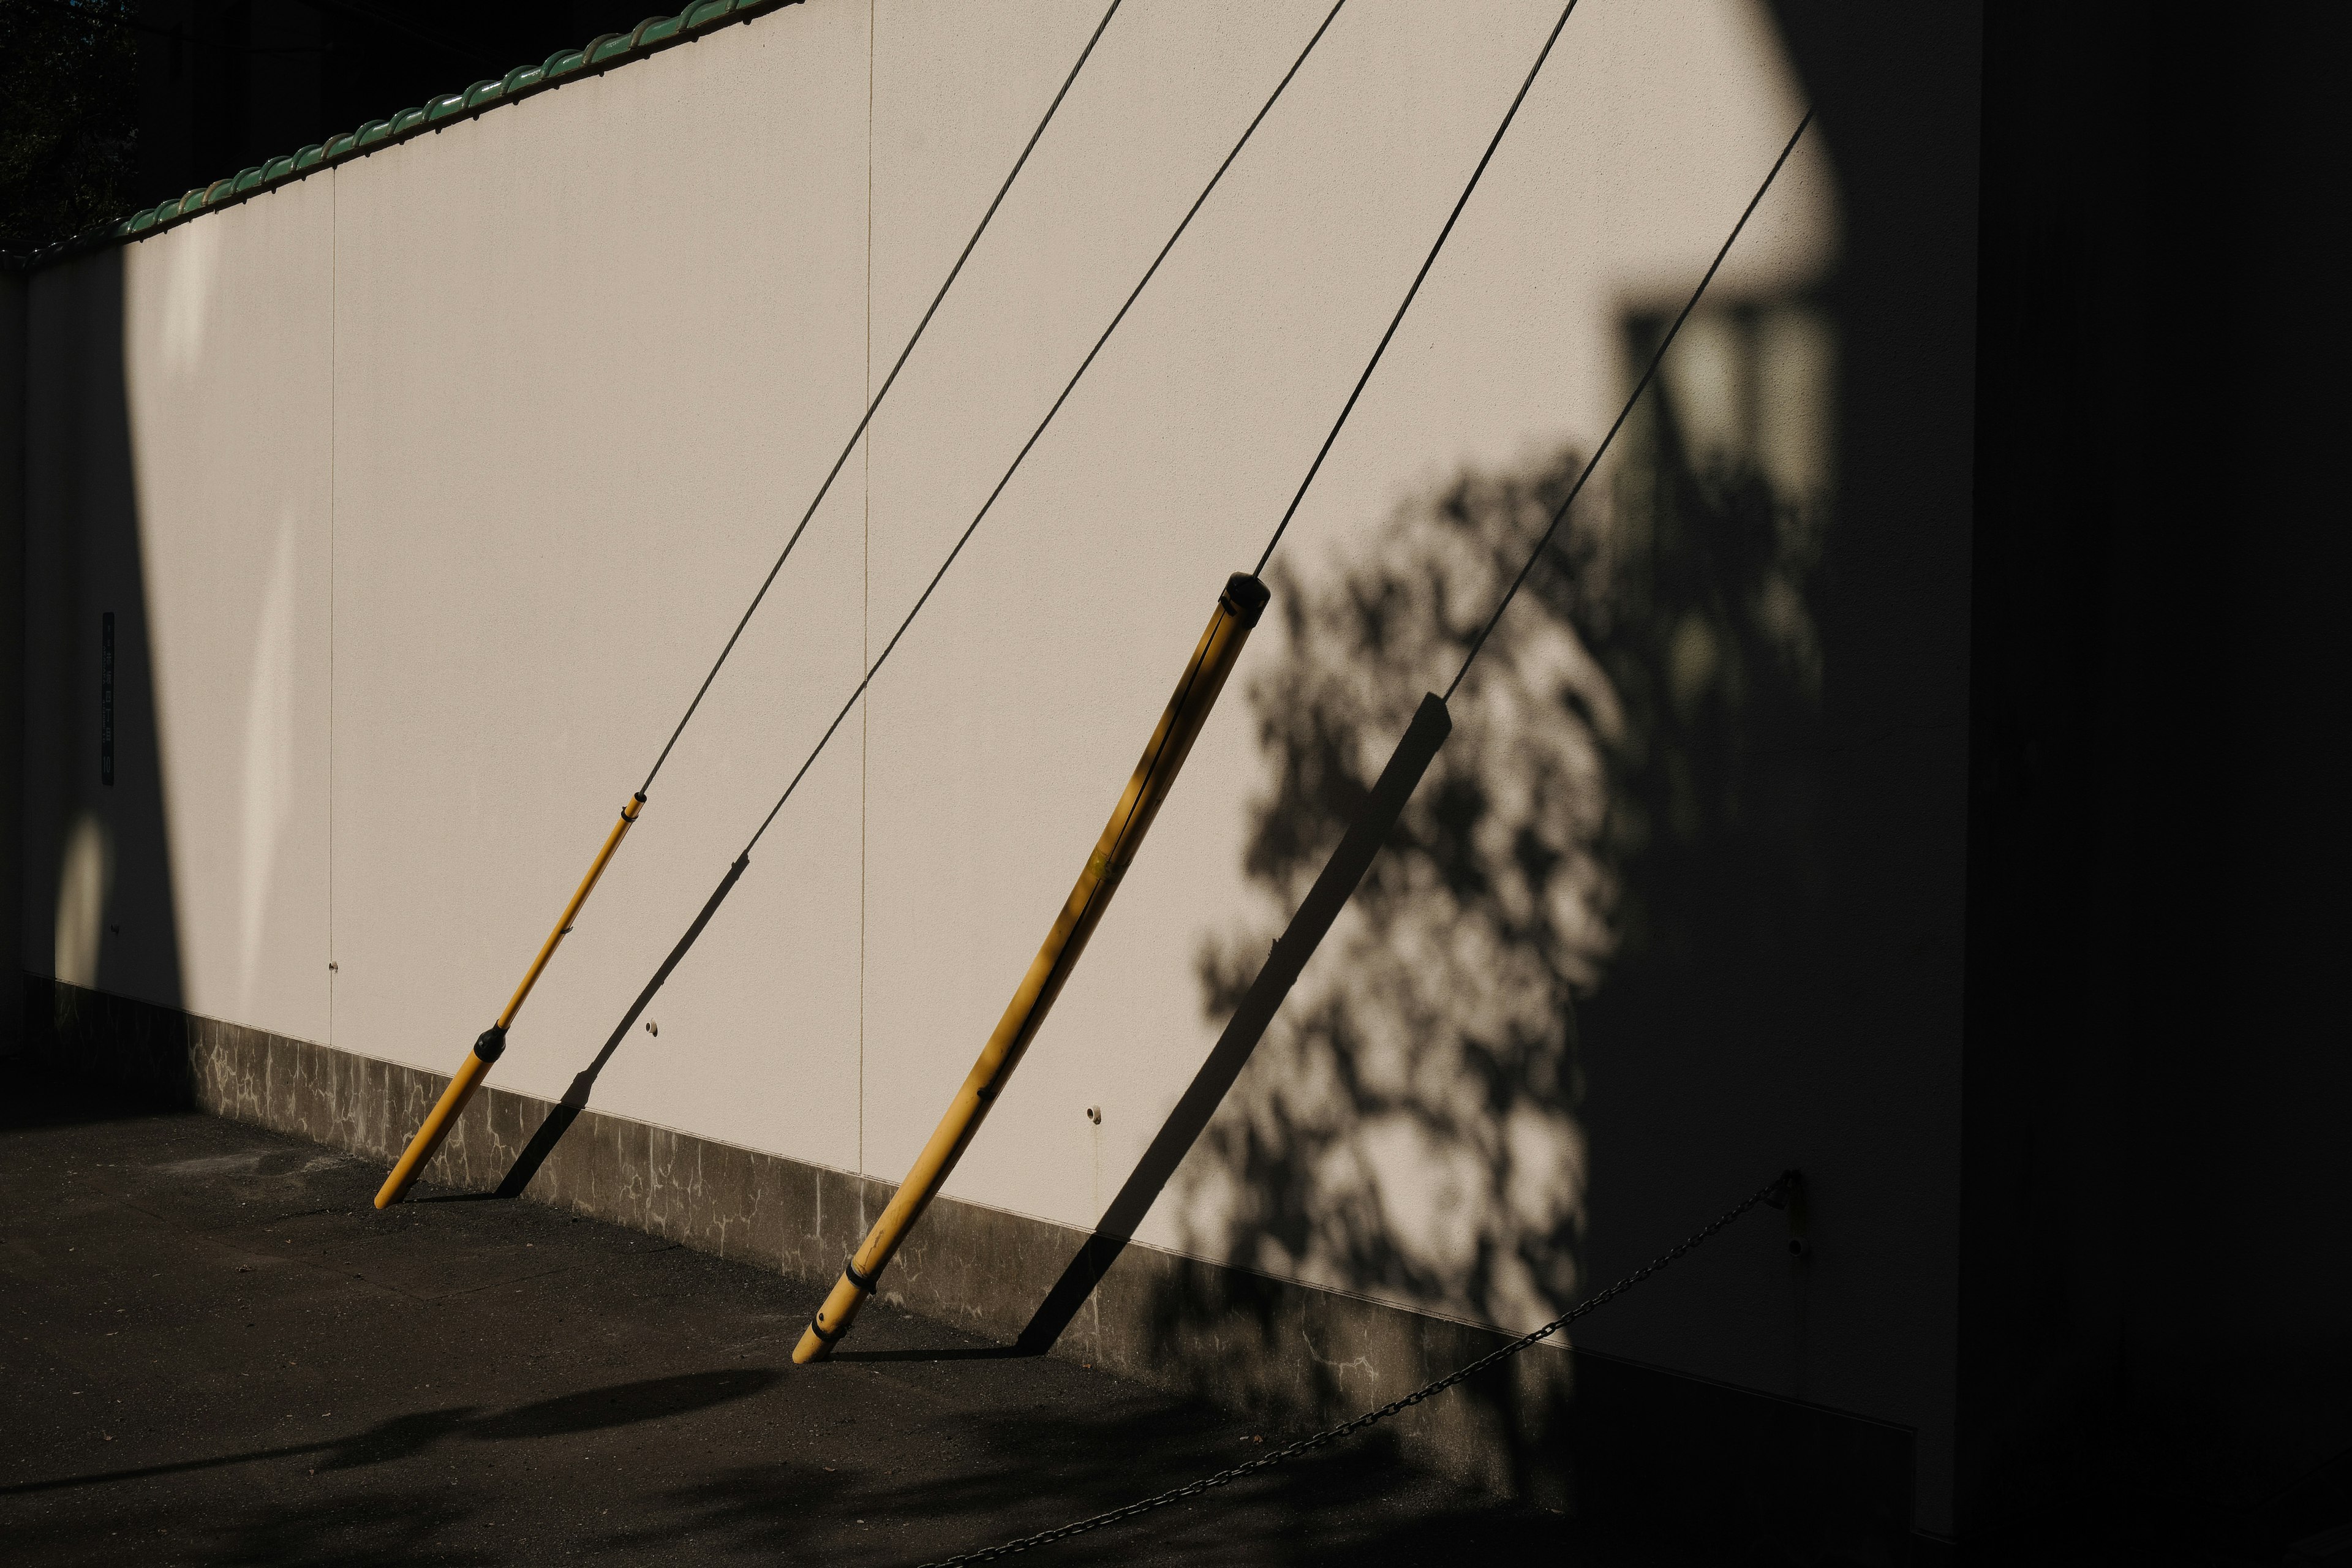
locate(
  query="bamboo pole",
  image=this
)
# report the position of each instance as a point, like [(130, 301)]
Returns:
[(1237, 611), (493, 1042)]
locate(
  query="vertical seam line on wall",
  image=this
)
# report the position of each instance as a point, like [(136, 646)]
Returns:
[(334, 321), (865, 584)]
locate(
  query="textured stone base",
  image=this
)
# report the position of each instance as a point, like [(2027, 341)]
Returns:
[(1567, 1428)]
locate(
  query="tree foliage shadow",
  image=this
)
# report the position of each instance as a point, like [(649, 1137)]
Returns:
[(1623, 828)]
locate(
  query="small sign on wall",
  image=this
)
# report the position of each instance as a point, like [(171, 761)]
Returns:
[(106, 699)]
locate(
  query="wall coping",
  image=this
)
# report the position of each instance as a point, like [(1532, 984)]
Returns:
[(599, 54)]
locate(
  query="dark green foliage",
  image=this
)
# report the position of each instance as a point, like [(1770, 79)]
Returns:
[(68, 118)]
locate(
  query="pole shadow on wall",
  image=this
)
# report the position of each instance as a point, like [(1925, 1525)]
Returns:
[(1609, 746), (98, 910), (565, 1111), (1255, 1011), (1634, 760), (1629, 790)]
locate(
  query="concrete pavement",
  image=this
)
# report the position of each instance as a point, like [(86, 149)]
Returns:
[(215, 1350)]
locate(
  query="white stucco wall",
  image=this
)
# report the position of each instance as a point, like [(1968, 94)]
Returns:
[(450, 468), (592, 356), (229, 351)]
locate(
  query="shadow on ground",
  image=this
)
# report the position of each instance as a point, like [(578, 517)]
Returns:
[(223, 1354)]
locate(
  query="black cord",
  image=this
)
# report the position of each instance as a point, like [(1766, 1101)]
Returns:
[(1398, 320), (1071, 387), (1639, 387), (889, 380)]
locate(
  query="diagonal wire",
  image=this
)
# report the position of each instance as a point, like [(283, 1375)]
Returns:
[(1069, 387), (1398, 320), (1779, 1184), (867, 419), (1639, 387)]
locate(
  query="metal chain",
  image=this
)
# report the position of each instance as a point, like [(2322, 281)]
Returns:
[(1324, 1438)]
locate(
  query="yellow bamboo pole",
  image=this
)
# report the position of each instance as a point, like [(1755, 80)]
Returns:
[(493, 1043), (1237, 611)]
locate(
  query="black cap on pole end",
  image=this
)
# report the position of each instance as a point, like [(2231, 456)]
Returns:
[(492, 1045), (1246, 597)]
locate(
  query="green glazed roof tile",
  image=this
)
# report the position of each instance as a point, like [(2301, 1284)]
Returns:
[(607, 47)]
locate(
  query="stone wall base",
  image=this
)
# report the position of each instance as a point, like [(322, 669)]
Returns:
[(1570, 1429)]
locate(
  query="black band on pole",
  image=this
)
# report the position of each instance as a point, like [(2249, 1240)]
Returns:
[(492, 1045), (862, 1282), (1245, 597)]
